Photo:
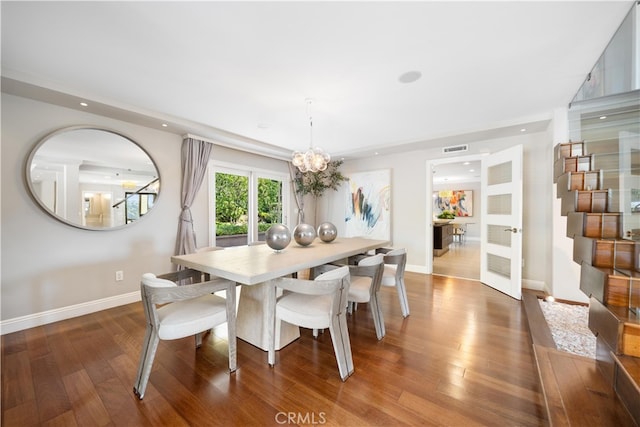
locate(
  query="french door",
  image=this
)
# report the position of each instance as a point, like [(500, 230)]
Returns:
[(501, 218), (245, 203)]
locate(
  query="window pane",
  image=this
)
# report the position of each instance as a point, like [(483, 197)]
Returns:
[(499, 174), (232, 207), (499, 204), (269, 204)]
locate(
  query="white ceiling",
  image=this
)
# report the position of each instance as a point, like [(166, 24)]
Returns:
[(239, 72), (452, 173)]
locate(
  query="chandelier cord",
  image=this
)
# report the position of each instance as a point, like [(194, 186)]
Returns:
[(315, 159), (310, 124)]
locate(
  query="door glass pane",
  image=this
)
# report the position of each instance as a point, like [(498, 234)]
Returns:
[(499, 265), (497, 235), (499, 174), (499, 204), (269, 204), (232, 207)]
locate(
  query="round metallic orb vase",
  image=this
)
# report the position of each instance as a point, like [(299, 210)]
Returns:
[(327, 232), (278, 237), (304, 234)]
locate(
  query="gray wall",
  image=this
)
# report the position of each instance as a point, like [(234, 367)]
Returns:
[(48, 265)]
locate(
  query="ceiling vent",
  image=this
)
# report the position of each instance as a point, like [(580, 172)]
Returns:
[(455, 148)]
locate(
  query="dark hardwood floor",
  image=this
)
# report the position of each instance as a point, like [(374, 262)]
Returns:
[(463, 357)]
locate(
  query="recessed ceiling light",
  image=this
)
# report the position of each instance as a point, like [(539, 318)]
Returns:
[(84, 104), (409, 76), (466, 163), (164, 125), (376, 153), (603, 117), (472, 170), (523, 130)]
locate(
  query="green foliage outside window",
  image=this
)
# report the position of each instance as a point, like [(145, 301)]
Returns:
[(232, 204)]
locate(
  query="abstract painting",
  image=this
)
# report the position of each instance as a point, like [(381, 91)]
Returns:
[(460, 202), (368, 205)]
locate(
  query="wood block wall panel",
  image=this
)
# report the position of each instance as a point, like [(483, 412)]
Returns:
[(569, 149), (597, 201), (611, 226), (604, 253), (625, 251), (602, 225), (572, 164), (588, 180), (583, 180), (616, 290), (613, 254), (631, 340)]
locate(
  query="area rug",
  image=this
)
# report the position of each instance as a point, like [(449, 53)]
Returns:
[(569, 327)]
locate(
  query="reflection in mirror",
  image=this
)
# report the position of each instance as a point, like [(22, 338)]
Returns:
[(92, 178)]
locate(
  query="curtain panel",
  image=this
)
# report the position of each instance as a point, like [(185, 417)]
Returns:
[(195, 157)]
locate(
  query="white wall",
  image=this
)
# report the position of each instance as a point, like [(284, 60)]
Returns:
[(51, 270), (409, 200)]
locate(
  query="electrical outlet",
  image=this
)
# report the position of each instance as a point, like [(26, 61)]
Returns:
[(119, 276)]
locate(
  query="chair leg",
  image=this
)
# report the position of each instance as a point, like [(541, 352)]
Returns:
[(338, 348), (143, 357), (271, 324), (402, 296), (231, 327), (346, 341), (146, 362), (378, 318)]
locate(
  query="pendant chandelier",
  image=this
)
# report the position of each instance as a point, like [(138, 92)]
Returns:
[(315, 159)]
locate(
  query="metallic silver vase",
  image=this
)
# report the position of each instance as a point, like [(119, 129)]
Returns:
[(278, 237)]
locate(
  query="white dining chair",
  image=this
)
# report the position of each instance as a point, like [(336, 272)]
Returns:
[(314, 304), (395, 261), (366, 279), (173, 312)]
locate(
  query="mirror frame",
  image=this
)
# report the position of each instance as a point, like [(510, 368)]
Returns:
[(45, 208)]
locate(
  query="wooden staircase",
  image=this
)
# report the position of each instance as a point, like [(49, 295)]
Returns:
[(610, 269)]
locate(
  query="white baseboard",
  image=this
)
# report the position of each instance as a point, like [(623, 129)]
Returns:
[(43, 318), (535, 285), (416, 268)]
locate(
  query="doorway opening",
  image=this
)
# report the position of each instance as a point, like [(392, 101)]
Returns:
[(454, 242)]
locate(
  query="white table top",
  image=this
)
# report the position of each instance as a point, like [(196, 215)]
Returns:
[(250, 265)]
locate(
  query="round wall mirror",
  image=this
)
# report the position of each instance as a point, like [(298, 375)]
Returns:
[(92, 178)]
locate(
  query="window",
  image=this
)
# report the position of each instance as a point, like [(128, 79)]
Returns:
[(137, 205), (245, 204)]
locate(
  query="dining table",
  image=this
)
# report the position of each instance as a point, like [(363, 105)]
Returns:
[(253, 266)]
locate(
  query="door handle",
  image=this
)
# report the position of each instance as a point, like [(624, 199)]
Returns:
[(513, 230)]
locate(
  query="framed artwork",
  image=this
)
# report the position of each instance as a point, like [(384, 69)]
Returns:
[(368, 205), (460, 202)]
